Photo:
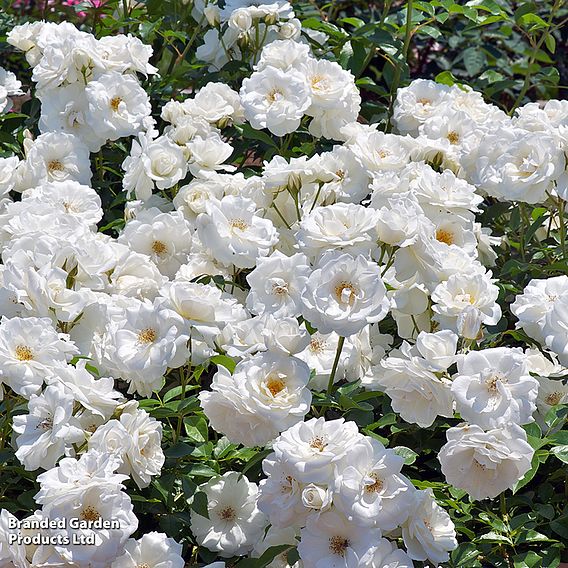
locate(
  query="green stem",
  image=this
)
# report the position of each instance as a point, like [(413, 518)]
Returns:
[(398, 69), (316, 197), (503, 505), (125, 15), (335, 364), (561, 206), (177, 60), (280, 215), (389, 263), (522, 230), (528, 75)]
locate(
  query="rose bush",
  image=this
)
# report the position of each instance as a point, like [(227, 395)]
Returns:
[(283, 285)]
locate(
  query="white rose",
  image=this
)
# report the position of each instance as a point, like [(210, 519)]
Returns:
[(265, 395), (235, 524), (429, 533), (485, 463), (275, 100), (494, 387), (344, 294)]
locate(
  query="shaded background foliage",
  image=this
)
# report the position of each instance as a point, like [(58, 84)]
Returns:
[(512, 52)]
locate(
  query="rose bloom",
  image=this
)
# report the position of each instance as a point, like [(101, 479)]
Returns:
[(154, 550), (234, 232), (485, 463), (314, 448), (344, 294), (493, 387), (331, 540), (235, 524), (429, 533), (265, 395), (275, 99), (369, 488)]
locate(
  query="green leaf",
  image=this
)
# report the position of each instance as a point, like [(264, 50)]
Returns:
[(196, 428), (561, 452), (527, 560), (532, 536), (202, 470), (179, 450), (199, 504), (493, 521), (474, 60), (494, 537), (355, 22), (550, 43), (532, 21), (560, 438), (348, 403), (465, 556), (250, 133), (556, 415), (268, 556), (224, 361), (533, 429), (406, 453), (259, 456), (446, 78)]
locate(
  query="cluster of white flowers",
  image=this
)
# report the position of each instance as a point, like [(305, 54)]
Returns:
[(9, 87), (381, 225), (334, 494), (241, 28)]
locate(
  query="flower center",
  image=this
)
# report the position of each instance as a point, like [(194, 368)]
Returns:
[(159, 248), (376, 486), (46, 424), (90, 514), (383, 153), (492, 381), (70, 207), (319, 83), (317, 346), (345, 292), (24, 353), (144, 565), (147, 335), (286, 484), (115, 103), (280, 289), (453, 137), (466, 298), (338, 545), (318, 443), (274, 95), (445, 236), (275, 385), (228, 514), (424, 101), (240, 224), (55, 166), (479, 465), (553, 398)]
